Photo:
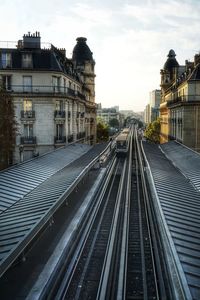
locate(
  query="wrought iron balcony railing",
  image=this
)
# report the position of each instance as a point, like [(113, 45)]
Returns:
[(60, 139), (46, 89), (185, 98), (30, 114), (30, 140)]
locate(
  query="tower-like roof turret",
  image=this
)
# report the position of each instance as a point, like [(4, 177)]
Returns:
[(171, 62), (81, 52)]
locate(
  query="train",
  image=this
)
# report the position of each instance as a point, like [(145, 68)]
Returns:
[(122, 142)]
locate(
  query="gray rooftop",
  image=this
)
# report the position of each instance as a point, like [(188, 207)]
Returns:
[(178, 203), (19, 180), (185, 159)]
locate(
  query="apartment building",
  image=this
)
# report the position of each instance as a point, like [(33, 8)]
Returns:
[(180, 101), (54, 96)]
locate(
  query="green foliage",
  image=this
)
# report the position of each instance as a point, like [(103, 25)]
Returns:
[(102, 131), (152, 131), (8, 129), (114, 123)]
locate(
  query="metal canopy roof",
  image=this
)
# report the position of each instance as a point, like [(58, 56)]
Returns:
[(19, 180), (180, 205), (185, 159), (20, 222)]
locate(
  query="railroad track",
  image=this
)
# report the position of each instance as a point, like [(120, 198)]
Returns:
[(115, 255), (84, 272)]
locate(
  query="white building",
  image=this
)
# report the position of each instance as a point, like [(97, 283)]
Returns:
[(54, 96)]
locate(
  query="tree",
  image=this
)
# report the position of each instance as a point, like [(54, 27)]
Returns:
[(8, 129), (152, 131), (114, 123), (102, 131)]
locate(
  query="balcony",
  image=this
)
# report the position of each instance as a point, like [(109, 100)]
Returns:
[(59, 114), (28, 115), (183, 99), (59, 139), (46, 90), (28, 140)]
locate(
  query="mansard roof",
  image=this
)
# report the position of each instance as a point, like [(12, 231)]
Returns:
[(42, 60), (196, 73)]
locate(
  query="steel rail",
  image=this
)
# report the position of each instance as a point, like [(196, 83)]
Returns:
[(102, 290), (62, 291), (121, 287), (151, 234), (138, 169)]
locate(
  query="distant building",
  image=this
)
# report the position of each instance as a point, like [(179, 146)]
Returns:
[(54, 96), (180, 101), (155, 99), (147, 119), (107, 114), (152, 108)]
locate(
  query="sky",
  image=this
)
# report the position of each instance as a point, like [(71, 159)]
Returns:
[(130, 39)]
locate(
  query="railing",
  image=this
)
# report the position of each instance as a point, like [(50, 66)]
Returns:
[(46, 89), (60, 139), (185, 98), (30, 114), (31, 140), (59, 114)]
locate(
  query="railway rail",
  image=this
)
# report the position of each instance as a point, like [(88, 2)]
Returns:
[(114, 256), (117, 246)]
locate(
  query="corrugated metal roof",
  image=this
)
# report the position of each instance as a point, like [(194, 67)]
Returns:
[(19, 180), (185, 159), (180, 204), (21, 221)]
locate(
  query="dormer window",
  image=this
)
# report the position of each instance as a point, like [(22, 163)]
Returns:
[(6, 60), (27, 60)]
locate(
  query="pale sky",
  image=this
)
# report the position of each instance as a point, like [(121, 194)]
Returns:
[(130, 39)]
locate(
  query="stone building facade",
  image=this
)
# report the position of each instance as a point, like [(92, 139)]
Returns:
[(180, 101), (54, 96)]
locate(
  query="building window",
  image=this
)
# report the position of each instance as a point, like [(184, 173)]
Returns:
[(6, 60), (56, 84), (65, 85), (59, 105), (59, 131), (28, 105), (6, 82), (27, 60), (27, 83), (28, 130)]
